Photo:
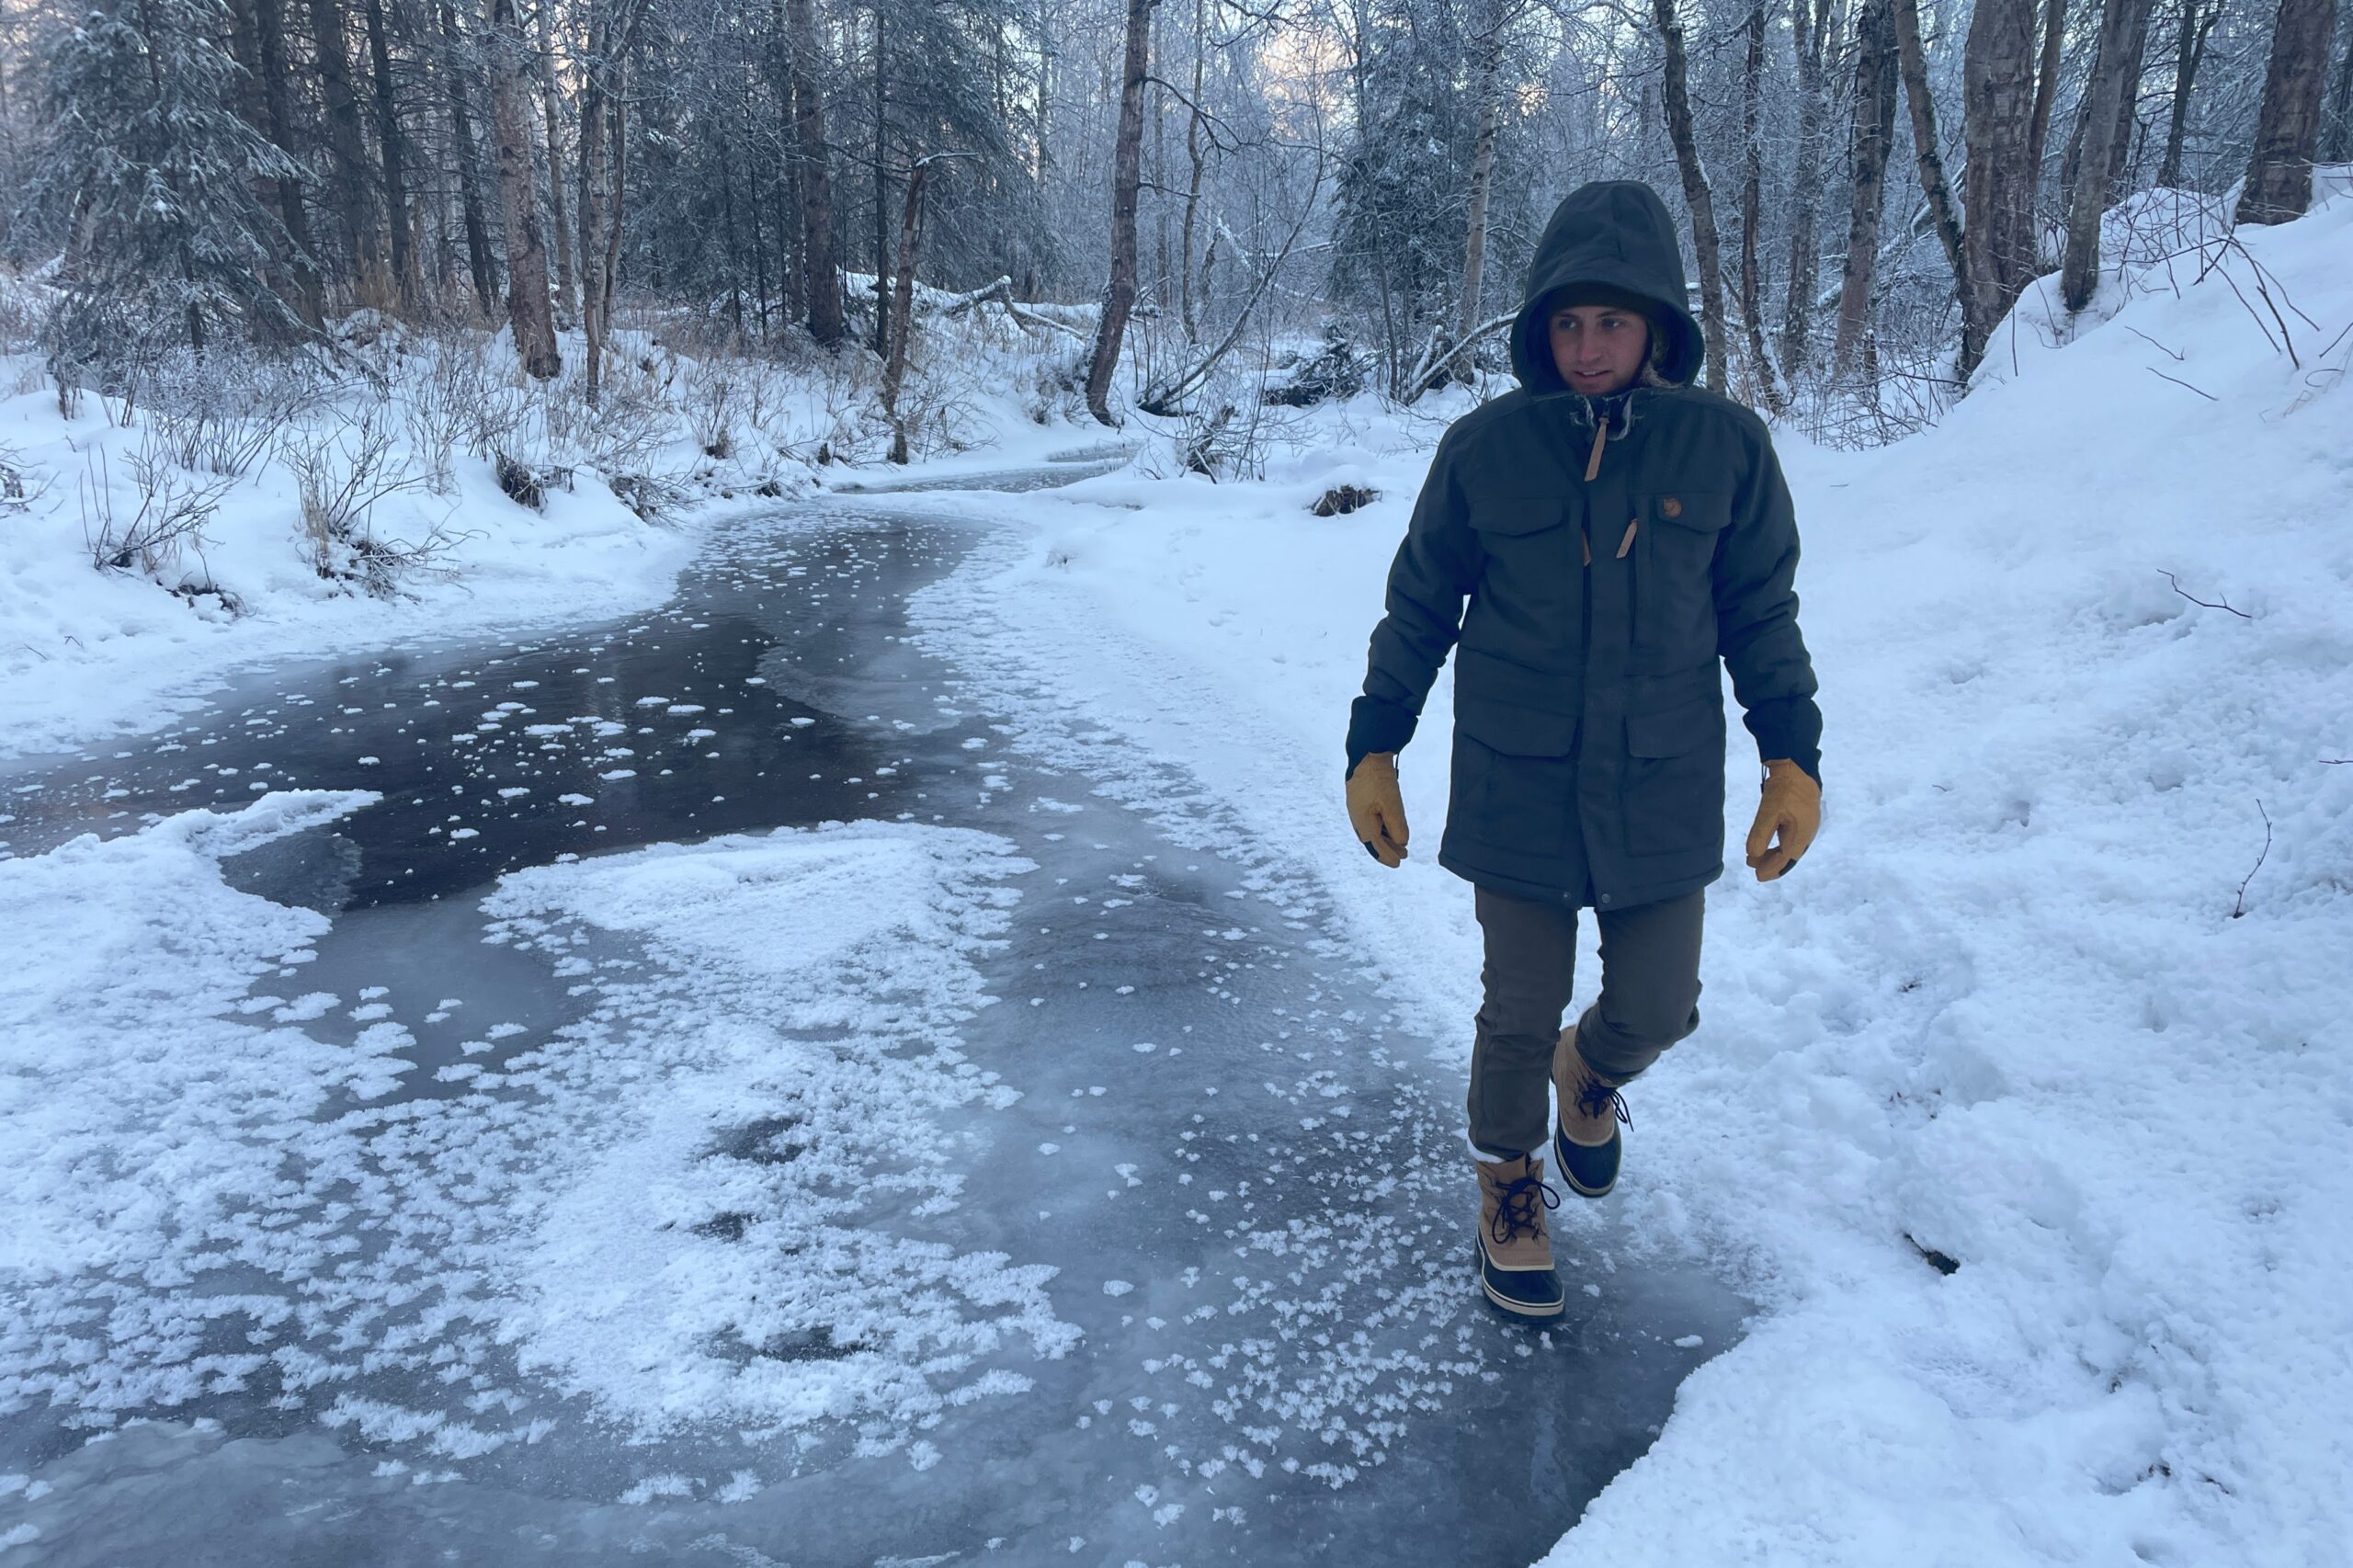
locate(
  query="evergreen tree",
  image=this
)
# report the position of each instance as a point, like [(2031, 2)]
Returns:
[(150, 173)]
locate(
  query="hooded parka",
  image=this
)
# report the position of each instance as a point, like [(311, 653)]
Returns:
[(1612, 552)]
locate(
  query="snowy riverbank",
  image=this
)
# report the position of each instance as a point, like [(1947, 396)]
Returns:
[(2058, 1000), (201, 483)]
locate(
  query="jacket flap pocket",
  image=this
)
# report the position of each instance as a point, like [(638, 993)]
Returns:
[(1704, 511), (1518, 514), (1673, 732), (1515, 731)]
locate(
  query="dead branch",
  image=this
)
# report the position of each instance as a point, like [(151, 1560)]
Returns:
[(2207, 603)]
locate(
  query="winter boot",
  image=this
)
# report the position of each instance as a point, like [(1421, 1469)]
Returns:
[(1584, 1138), (1515, 1253)]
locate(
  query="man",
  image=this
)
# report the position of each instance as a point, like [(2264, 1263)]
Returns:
[(1616, 531)]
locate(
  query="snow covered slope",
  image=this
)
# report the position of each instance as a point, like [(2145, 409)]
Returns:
[(2061, 997)]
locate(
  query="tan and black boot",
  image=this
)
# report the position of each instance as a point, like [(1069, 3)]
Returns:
[(1585, 1136), (1514, 1252)]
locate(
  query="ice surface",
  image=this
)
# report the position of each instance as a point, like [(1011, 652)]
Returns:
[(721, 1223)]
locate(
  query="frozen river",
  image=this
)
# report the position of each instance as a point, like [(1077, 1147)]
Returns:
[(839, 1138)]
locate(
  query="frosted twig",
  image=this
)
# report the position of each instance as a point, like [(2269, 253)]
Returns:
[(2193, 599), (2239, 908)]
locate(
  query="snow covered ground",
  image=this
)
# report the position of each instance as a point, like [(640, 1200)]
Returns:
[(2023, 1109)]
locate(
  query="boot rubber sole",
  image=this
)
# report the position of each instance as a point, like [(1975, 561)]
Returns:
[(1538, 1312), (1561, 1147)]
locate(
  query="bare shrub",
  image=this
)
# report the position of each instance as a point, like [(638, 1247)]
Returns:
[(20, 486), (220, 410), (343, 467), (714, 393), (173, 510), (633, 417)]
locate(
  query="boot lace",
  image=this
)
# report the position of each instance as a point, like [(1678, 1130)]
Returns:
[(1595, 1097), (1516, 1210)]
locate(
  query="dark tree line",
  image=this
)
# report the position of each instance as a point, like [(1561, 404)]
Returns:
[(1866, 183)]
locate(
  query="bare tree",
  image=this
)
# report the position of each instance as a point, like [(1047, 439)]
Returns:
[(2287, 134), (528, 310), (1127, 173), (1488, 86), (558, 219), (1752, 208), (1875, 90), (1997, 190), (821, 283), (393, 143), (346, 142), (902, 314), (2046, 81), (461, 133), (1928, 152), (2197, 23), (1676, 93), (2124, 27), (1811, 41)]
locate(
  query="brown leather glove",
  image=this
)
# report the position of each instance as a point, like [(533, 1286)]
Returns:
[(1376, 808), (1792, 807)]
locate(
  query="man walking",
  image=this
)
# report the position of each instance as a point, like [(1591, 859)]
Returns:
[(1616, 532)]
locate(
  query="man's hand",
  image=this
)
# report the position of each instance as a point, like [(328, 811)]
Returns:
[(1376, 810), (1792, 808)]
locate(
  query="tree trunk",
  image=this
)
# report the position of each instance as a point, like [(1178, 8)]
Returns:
[(461, 130), (2287, 132), (1127, 173), (1929, 148), (2340, 137), (1187, 305), (821, 283), (1997, 188), (894, 364), (2046, 89), (1483, 165), (528, 311), (616, 140), (592, 217), (881, 186), (558, 219), (278, 116), (1752, 210), (347, 143), (1676, 101), (2123, 29), (1805, 240), (395, 145), (1873, 135), (2189, 53)]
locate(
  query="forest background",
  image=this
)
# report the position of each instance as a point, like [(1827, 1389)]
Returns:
[(1194, 210)]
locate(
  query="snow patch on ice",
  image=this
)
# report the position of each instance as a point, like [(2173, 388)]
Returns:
[(703, 1203)]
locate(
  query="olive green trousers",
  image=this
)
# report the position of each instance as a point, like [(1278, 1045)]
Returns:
[(1649, 999)]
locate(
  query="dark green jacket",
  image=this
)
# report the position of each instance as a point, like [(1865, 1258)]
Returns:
[(1588, 708)]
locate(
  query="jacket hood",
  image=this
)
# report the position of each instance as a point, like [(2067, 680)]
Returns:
[(1616, 233)]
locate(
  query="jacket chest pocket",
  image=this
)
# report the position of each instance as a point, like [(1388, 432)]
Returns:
[(1674, 535), (1535, 560)]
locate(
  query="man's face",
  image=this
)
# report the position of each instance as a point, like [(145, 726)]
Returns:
[(1599, 348)]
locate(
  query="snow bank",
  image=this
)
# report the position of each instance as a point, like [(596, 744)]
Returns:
[(2059, 998), (86, 651), (674, 1206)]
